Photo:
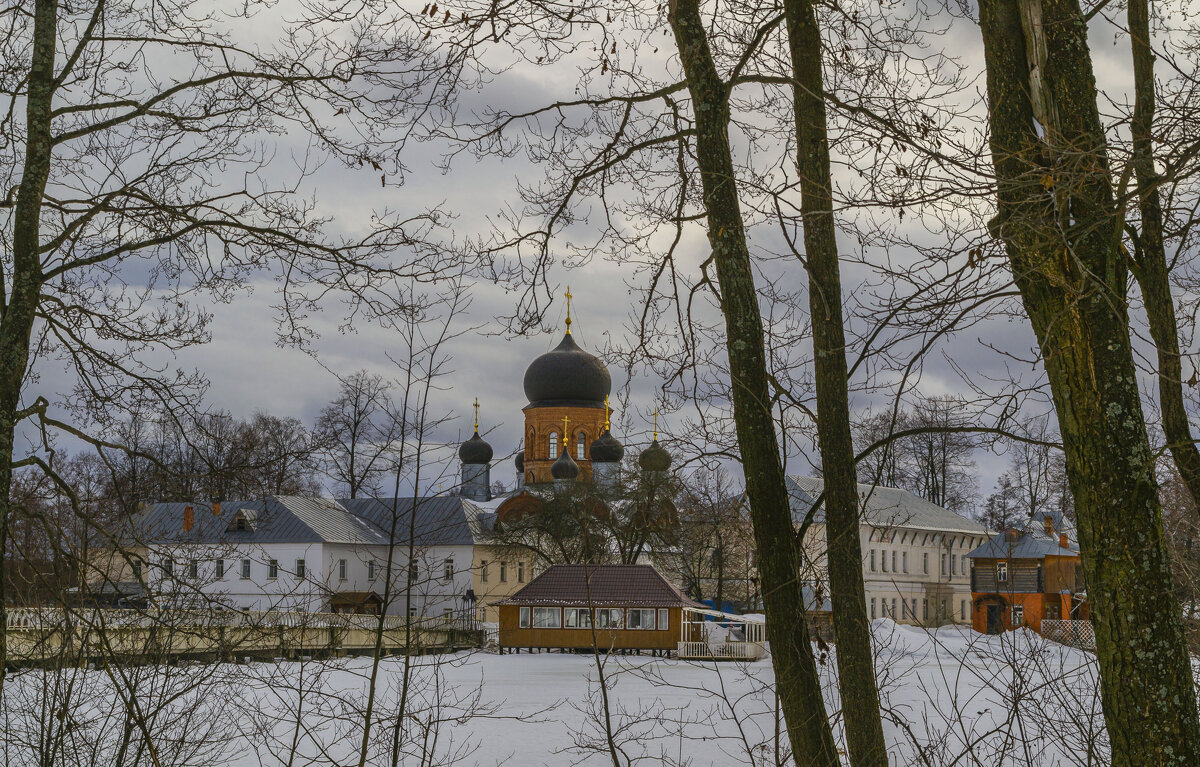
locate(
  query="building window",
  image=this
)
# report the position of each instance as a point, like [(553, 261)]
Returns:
[(943, 614), (412, 612), (641, 619), (553, 445), (448, 570), (963, 562), (894, 614), (962, 610), (220, 569), (1018, 615), (300, 569), (137, 569), (953, 563), (413, 573), (894, 570), (245, 569), (504, 572), (664, 619), (609, 618), (883, 560), (904, 561), (943, 564), (873, 607), (924, 609), (1002, 572), (523, 622), (578, 618), (273, 569), (913, 613), (520, 572), (448, 614), (241, 525), (168, 568), (547, 618), (581, 447), (483, 573), (370, 569), (925, 563), (341, 569), (872, 560), (194, 569)]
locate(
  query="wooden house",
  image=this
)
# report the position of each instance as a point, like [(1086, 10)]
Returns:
[(1021, 577), (609, 607)]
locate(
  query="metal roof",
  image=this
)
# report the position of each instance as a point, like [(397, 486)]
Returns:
[(442, 520), (1030, 544), (623, 585), (882, 507)]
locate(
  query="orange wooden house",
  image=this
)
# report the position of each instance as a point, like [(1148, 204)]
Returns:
[(1021, 577), (608, 607)]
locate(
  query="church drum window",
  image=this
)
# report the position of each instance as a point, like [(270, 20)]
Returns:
[(553, 445), (581, 446)]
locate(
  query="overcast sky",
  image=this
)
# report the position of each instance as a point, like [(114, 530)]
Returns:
[(249, 371)]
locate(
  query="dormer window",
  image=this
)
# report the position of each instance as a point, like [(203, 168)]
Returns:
[(243, 522)]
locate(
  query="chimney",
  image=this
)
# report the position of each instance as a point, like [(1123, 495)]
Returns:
[(1063, 542), (1048, 524), (216, 508), (189, 518)]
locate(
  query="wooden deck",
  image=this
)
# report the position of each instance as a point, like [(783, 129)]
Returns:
[(39, 636)]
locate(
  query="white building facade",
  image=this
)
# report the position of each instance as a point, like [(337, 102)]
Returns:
[(915, 569)]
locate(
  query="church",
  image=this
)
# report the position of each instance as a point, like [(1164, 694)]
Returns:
[(567, 430)]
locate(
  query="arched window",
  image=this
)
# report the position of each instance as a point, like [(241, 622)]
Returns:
[(581, 447), (553, 445)]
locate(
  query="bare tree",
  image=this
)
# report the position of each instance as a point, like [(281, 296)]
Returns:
[(355, 434)]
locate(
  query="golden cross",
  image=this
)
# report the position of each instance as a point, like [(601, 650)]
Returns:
[(655, 424), (568, 310), (607, 423), (476, 415), (566, 420)]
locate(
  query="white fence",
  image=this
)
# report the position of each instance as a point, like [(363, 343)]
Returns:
[(1074, 633), (721, 650)]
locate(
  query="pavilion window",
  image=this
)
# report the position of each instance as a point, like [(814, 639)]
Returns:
[(664, 619), (641, 619), (523, 622), (609, 618), (547, 618), (578, 618)]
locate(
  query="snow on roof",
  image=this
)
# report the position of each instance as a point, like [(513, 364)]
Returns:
[(882, 507), (624, 585)]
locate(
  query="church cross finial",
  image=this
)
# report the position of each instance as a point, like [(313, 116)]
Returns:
[(566, 420), (655, 424), (607, 410), (476, 415), (568, 310)]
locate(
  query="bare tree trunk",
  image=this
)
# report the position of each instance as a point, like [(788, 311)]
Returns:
[(856, 670), (20, 308), (779, 561), (1150, 257), (1061, 230)]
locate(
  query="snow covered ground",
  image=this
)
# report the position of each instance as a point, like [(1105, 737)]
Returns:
[(950, 696)]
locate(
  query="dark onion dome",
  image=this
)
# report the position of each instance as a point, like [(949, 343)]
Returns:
[(655, 458), (606, 449), (520, 461), (567, 375), (475, 450), (565, 467)]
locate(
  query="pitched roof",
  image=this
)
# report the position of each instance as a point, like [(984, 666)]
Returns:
[(1030, 544), (278, 519), (444, 520), (441, 520), (881, 507), (624, 585)]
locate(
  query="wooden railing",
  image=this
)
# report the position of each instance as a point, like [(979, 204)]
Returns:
[(1073, 633), (721, 650)]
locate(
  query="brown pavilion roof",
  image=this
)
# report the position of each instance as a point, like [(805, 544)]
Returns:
[(624, 585)]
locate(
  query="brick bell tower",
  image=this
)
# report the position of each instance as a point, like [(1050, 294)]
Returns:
[(568, 390)]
